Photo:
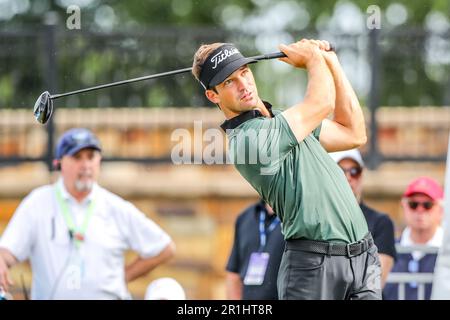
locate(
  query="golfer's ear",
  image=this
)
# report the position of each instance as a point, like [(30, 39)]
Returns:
[(212, 96)]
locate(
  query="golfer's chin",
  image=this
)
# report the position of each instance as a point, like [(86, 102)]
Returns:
[(249, 104)]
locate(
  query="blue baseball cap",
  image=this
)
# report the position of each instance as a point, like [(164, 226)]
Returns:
[(75, 140)]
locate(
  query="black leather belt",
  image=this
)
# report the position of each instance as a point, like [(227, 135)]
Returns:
[(330, 248)]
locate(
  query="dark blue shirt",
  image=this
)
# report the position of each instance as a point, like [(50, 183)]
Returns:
[(246, 241), (426, 264), (382, 229)]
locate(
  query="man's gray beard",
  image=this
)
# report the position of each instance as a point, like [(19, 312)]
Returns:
[(83, 186)]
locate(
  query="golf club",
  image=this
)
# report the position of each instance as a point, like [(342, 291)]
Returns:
[(43, 108)]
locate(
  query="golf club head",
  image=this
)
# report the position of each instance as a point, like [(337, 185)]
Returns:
[(43, 108)]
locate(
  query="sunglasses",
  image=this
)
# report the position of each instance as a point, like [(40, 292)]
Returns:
[(354, 172), (427, 205)]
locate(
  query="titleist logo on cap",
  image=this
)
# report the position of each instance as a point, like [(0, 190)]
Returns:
[(220, 63), (222, 55)]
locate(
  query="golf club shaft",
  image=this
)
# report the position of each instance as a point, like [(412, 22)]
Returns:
[(267, 56), (153, 76), (118, 83)]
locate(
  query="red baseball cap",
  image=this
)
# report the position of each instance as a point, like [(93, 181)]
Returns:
[(427, 186)]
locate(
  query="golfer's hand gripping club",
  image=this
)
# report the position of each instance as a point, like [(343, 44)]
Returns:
[(277, 55)]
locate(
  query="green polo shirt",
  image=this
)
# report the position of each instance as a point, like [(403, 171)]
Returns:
[(300, 181)]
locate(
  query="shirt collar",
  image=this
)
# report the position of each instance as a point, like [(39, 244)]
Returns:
[(67, 196), (251, 114), (435, 241), (438, 238)]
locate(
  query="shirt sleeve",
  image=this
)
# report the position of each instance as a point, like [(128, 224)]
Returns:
[(143, 235), (316, 131), (261, 144), (20, 232), (385, 237)]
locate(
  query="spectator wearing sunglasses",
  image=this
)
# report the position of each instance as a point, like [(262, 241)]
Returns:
[(380, 225), (422, 205)]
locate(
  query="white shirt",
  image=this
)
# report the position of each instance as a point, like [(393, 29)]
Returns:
[(38, 231), (435, 241)]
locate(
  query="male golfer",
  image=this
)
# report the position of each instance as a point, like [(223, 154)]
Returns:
[(329, 252)]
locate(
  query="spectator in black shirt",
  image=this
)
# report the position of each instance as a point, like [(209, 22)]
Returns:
[(255, 258), (380, 225)]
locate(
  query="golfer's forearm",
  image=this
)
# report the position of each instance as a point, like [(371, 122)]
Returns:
[(321, 91), (305, 116), (347, 110), (342, 98)]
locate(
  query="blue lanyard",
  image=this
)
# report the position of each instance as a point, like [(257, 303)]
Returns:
[(262, 230)]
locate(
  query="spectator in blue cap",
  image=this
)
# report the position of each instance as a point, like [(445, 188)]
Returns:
[(72, 146), (75, 232)]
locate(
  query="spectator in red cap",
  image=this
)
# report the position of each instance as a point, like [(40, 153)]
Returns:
[(422, 205)]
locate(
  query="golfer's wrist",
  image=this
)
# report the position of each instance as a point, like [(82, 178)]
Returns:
[(315, 59)]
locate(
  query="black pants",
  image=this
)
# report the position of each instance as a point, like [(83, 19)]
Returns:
[(305, 275)]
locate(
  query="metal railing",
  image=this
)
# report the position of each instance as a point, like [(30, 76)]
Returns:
[(420, 279)]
